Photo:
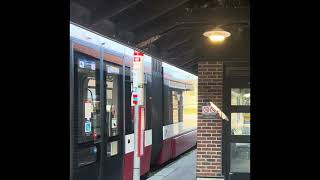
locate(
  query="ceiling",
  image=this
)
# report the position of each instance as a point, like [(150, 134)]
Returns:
[(171, 29)]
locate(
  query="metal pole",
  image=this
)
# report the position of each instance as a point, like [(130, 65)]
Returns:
[(137, 96), (102, 113), (136, 160), (71, 84), (123, 106)]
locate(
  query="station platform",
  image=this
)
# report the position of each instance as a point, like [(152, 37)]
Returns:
[(182, 168)]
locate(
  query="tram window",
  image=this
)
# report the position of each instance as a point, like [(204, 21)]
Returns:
[(88, 99), (87, 156), (112, 148), (127, 99), (176, 106), (129, 122), (166, 105), (145, 108), (190, 109), (112, 105), (148, 102)]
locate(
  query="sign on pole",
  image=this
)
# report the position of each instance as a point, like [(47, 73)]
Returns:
[(138, 78)]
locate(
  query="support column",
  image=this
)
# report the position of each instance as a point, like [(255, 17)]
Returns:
[(209, 134)]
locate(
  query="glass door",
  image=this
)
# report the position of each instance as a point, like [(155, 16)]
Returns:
[(113, 121), (237, 130), (86, 120)]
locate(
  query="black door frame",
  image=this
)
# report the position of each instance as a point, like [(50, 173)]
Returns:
[(235, 76), (92, 169), (102, 112), (121, 112)]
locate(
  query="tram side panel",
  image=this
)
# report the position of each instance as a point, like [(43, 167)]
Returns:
[(129, 137), (146, 158), (167, 128), (180, 113), (163, 135)]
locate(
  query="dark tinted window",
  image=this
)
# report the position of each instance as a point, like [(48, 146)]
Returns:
[(88, 113)]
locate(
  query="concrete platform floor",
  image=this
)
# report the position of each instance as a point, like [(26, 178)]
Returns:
[(182, 169)]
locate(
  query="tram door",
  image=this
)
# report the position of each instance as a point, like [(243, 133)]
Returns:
[(97, 119), (87, 143), (114, 132)]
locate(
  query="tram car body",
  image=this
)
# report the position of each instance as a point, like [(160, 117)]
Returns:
[(101, 113)]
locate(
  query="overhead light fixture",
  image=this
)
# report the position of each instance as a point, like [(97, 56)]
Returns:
[(217, 35)]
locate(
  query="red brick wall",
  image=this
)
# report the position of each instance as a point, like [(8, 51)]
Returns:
[(209, 135)]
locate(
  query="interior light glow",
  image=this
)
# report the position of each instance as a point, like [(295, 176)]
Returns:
[(217, 35)]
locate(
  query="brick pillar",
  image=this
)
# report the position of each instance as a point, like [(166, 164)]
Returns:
[(209, 134)]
